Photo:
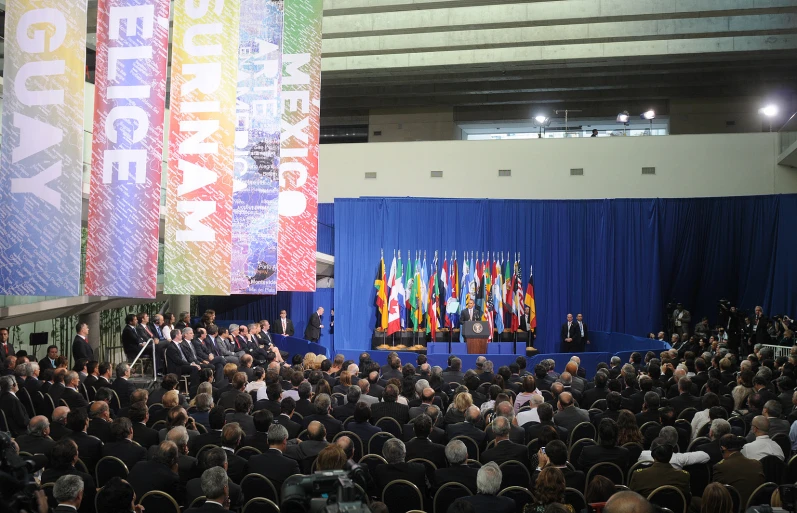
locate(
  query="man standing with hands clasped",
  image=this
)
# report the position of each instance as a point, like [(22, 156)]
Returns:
[(568, 335)]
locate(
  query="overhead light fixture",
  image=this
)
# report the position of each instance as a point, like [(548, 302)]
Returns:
[(622, 117), (648, 115), (769, 111), (540, 118)]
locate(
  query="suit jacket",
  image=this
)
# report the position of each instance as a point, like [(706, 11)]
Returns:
[(343, 412), (16, 415), (246, 421), (304, 452), (465, 315), (713, 450), (74, 399), (490, 503), (51, 475), (516, 433), (212, 437), (46, 363), (193, 489), (131, 340), (364, 430), (174, 359), (425, 448), (294, 428), (313, 329), (504, 451), (332, 425), (123, 389), (684, 401), (288, 327), (153, 475), (570, 417), (304, 407), (458, 474), (145, 436), (572, 332), (274, 465), (469, 430), (415, 473), (7, 350), (595, 454), (398, 411), (101, 429), (644, 481), (89, 448), (81, 349), (127, 451), (742, 473), (59, 431)]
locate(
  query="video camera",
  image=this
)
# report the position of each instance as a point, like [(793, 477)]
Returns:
[(331, 491), (17, 486), (788, 497)]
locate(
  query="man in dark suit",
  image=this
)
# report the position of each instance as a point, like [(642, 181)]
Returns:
[(516, 433), (243, 405), (313, 330), (215, 485), (685, 399), (73, 398), (143, 435), (273, 464), (58, 429), (607, 451), (304, 405), (100, 421), (394, 453), (322, 405), (231, 436), (305, 452), (122, 386), (263, 421), (68, 492), (347, 410), (468, 428), (159, 473), (80, 345), (272, 400), (486, 499), (422, 447), (569, 415), (389, 407), (211, 458), (361, 425), (582, 334), (48, 362), (37, 440), (287, 409), (213, 436), (177, 363), (121, 443), (718, 429), (187, 466), (283, 325), (6, 349), (457, 470), (568, 336), (505, 449), (555, 454), (470, 313), (89, 447), (131, 341)]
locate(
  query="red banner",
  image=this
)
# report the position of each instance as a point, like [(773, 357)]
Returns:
[(298, 171)]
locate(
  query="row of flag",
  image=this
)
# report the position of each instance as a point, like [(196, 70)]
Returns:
[(416, 296)]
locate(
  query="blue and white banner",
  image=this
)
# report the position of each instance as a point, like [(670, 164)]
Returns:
[(255, 218), (41, 173)]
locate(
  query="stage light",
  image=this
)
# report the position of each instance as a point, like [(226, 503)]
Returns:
[(541, 119), (769, 111), (648, 115), (622, 117)]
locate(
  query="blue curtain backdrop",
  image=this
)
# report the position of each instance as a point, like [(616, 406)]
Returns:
[(616, 261)]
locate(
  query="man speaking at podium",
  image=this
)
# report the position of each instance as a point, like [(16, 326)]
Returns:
[(470, 313)]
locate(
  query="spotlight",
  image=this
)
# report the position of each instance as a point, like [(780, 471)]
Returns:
[(769, 111), (648, 115), (622, 117), (541, 119)]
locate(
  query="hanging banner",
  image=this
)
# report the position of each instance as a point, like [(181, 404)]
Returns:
[(42, 150), (127, 148), (255, 218), (202, 133), (298, 176)]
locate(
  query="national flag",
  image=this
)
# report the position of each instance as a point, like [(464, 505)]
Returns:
[(498, 300), (413, 293), (393, 311), (402, 293), (454, 294), (487, 282), (529, 300), (381, 294), (424, 291), (408, 290), (467, 283), (514, 298), (489, 314), (433, 315), (507, 287), (479, 285), (444, 292)]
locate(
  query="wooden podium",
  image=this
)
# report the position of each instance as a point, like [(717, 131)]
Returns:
[(476, 334)]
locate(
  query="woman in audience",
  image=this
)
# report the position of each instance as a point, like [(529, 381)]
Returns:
[(494, 391), (408, 389), (309, 361), (716, 499), (627, 430), (345, 383), (319, 359), (204, 403), (459, 406), (549, 489), (742, 390), (528, 387), (598, 492), (203, 388), (337, 364), (323, 388), (168, 325), (331, 457)]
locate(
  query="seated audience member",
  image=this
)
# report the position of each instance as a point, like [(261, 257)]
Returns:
[(331, 457), (569, 415), (504, 449), (62, 462), (599, 490), (100, 421), (661, 473), (287, 410), (548, 489), (390, 407), (717, 499), (470, 427), (159, 473), (243, 406), (89, 447), (607, 451), (68, 493), (555, 455), (323, 405), (421, 446), (211, 458), (394, 453), (744, 474), (628, 502), (203, 402), (488, 484), (457, 471), (763, 445), (216, 487), (361, 424), (531, 415), (273, 463), (121, 443), (187, 467), (37, 440), (213, 436), (144, 436), (719, 428), (307, 450), (231, 436), (678, 460), (263, 421)]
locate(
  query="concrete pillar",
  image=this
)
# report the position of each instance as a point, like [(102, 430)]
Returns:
[(179, 303), (93, 320)]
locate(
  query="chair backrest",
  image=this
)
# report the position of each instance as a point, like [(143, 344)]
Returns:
[(204, 448), (762, 494), (340, 398), (260, 505), (648, 425), (774, 469), (24, 395), (258, 485), (162, 502), (81, 466), (532, 448), (687, 414), (636, 466), (704, 429), (736, 498), (199, 501), (490, 445), (447, 494), (390, 425), (634, 450), (606, 469), (782, 439), (115, 403), (377, 441), (159, 425), (582, 430), (697, 442), (108, 467), (402, 496), (738, 422), (473, 463), (430, 467), (514, 473), (347, 420), (668, 497), (791, 470), (575, 498), (470, 443), (48, 491), (577, 447), (303, 435), (356, 440), (371, 461), (521, 495), (684, 434), (247, 451), (4, 425), (600, 404), (201, 429), (699, 478)]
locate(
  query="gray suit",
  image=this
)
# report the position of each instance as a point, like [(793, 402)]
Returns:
[(224, 349), (368, 399), (570, 417)]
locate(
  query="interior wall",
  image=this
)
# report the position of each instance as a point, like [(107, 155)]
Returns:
[(686, 166)]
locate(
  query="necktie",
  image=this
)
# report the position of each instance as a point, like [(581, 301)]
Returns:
[(181, 352), (284, 329), (193, 353)]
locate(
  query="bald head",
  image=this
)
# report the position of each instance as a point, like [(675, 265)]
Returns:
[(316, 431), (571, 367), (60, 413), (473, 414), (761, 424), (39, 426), (428, 394), (565, 399), (627, 502)]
